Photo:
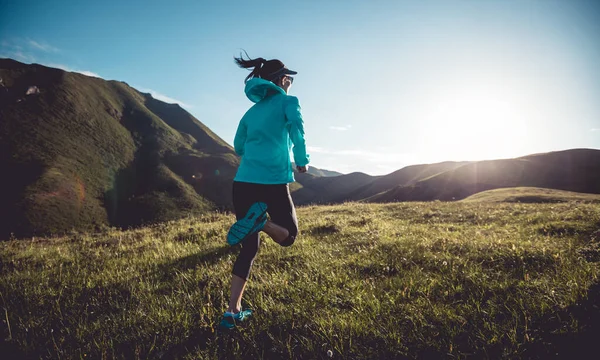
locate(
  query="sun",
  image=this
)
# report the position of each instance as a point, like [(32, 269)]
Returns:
[(476, 125)]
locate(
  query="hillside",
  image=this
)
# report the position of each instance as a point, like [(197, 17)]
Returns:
[(319, 172), (575, 170), (357, 186), (531, 195), (437, 280), (406, 176), (81, 153), (322, 190)]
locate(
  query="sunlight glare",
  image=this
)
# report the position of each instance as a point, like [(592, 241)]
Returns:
[(477, 125)]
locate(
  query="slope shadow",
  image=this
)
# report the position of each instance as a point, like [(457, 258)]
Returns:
[(210, 257), (201, 336), (572, 345)]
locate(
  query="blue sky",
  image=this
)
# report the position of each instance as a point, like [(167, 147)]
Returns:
[(383, 84)]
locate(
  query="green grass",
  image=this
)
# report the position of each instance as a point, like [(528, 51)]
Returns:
[(532, 195), (467, 280)]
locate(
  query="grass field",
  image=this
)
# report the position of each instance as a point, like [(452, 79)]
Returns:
[(532, 195), (366, 281)]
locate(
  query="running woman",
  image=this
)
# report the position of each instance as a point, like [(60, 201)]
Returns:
[(264, 138)]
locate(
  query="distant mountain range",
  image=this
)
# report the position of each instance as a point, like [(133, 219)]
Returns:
[(320, 172), (575, 170), (82, 153)]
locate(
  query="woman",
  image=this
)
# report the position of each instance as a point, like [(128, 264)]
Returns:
[(264, 138)]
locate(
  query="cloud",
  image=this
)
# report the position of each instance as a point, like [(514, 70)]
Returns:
[(87, 73), (16, 46), (595, 129), (340, 128), (165, 98), (20, 56), (8, 45), (42, 46), (67, 68)]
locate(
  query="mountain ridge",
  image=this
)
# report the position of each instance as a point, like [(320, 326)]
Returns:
[(575, 170)]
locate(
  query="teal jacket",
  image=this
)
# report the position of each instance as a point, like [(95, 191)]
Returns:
[(266, 134)]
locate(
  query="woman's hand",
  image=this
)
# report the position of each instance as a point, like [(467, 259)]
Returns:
[(302, 169)]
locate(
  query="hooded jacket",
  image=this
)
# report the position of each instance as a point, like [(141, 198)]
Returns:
[(267, 133)]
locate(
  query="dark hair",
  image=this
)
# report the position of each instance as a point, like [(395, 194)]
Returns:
[(265, 69), (250, 63)]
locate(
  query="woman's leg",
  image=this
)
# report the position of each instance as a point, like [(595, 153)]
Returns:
[(283, 226), (238, 285), (276, 232), (241, 271), (244, 195)]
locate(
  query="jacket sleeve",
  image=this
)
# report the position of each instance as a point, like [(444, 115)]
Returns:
[(240, 138), (293, 115)]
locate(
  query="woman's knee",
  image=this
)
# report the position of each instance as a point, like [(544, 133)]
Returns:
[(293, 234)]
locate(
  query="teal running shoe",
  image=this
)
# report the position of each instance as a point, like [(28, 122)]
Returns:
[(231, 320), (254, 221)]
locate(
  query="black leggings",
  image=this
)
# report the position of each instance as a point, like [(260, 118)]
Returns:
[(279, 207)]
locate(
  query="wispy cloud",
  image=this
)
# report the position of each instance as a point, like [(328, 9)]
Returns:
[(595, 129), (340, 128), (42, 46), (19, 55), (67, 68), (8, 45), (165, 98), (15, 49)]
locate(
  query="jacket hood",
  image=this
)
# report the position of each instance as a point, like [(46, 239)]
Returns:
[(258, 89)]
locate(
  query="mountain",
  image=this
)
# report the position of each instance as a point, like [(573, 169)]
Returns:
[(320, 172), (358, 186), (79, 152), (321, 190), (576, 170), (404, 177)]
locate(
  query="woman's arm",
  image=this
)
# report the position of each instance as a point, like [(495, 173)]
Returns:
[(293, 113), (240, 138)]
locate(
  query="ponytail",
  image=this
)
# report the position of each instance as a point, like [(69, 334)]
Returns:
[(250, 63)]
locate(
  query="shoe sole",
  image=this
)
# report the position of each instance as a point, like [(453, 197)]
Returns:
[(248, 225)]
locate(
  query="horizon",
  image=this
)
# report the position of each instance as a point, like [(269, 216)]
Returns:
[(407, 83)]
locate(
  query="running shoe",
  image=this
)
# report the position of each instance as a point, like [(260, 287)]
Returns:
[(231, 320), (254, 221)]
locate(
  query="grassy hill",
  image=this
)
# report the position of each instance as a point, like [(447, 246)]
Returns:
[(404, 177), (84, 153), (364, 281), (322, 190), (531, 195), (575, 170), (570, 170), (357, 186)]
